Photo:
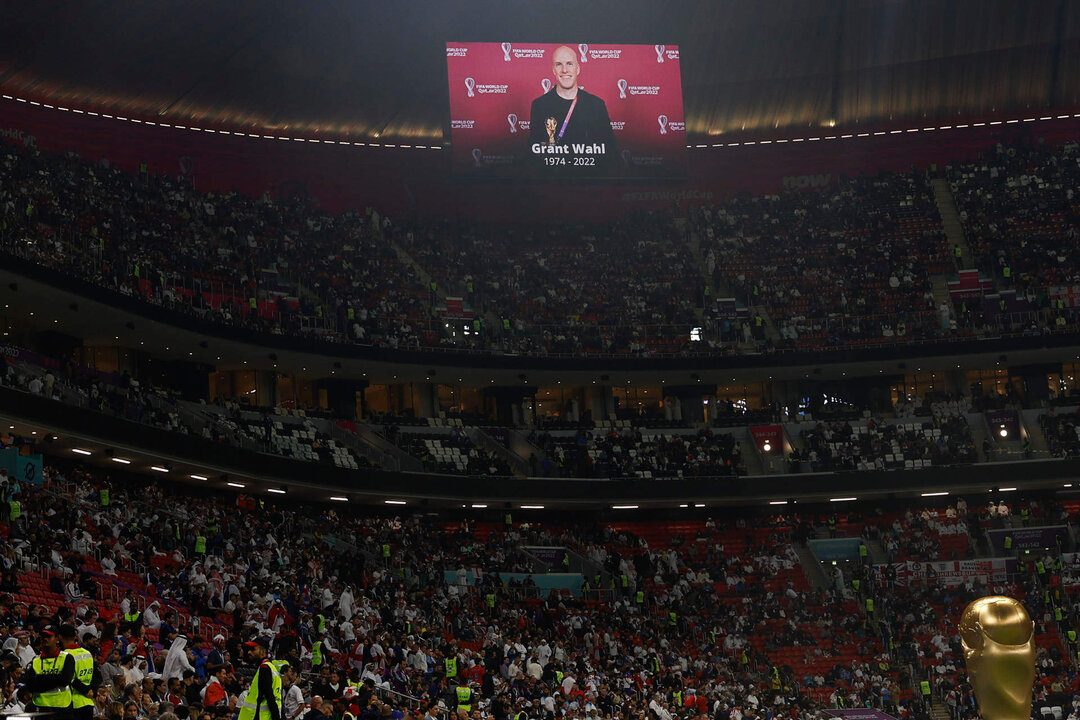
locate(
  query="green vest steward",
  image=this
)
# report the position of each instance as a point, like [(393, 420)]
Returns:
[(1057, 614), (1008, 542), (640, 597), (84, 673), (624, 580), (200, 544), (677, 697), (464, 698), (869, 604), (673, 619), (1040, 568), (57, 697), (316, 654), (351, 314), (386, 550), (862, 550), (16, 509), (255, 706), (490, 600), (856, 583), (559, 676), (1072, 636), (132, 617), (103, 496), (451, 667), (924, 687)]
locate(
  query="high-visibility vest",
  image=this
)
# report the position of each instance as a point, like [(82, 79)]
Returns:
[(1008, 542), (58, 697), (624, 580), (1072, 636), (255, 706), (103, 496), (558, 676), (508, 519), (640, 597), (320, 623), (316, 654), (84, 672), (16, 509), (862, 550), (869, 604), (386, 550), (132, 617), (839, 701), (677, 697), (1040, 568), (451, 667), (924, 686), (673, 619), (490, 600), (855, 584), (200, 544), (464, 698), (1057, 614)]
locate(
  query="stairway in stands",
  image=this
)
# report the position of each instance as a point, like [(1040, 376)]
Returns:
[(950, 219)]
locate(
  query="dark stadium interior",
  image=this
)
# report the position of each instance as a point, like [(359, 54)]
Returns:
[(739, 442)]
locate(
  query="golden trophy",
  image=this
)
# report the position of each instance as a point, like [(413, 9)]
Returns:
[(551, 125), (999, 645)]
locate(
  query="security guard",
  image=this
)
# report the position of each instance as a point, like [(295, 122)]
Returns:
[(450, 665), (317, 653), (86, 674), (50, 677), (464, 698), (263, 700)]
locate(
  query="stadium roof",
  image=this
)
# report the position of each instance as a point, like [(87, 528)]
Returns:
[(366, 69)]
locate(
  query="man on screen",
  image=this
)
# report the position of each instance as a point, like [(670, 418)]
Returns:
[(567, 117)]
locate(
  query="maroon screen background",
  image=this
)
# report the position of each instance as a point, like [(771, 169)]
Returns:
[(492, 87)]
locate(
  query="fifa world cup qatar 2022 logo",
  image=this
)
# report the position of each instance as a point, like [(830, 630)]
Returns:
[(513, 120), (470, 86), (622, 85), (659, 52), (583, 51), (478, 157), (506, 47), (546, 84), (663, 122)]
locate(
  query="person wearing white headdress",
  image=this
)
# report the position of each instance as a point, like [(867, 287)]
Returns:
[(176, 662)]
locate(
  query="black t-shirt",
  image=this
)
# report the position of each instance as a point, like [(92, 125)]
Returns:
[(589, 124)]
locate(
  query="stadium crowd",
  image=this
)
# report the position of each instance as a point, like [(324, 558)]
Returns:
[(851, 265), (396, 617)]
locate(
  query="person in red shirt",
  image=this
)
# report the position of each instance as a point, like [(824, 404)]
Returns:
[(215, 697)]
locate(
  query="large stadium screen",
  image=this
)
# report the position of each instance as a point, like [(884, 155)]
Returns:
[(541, 111)]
